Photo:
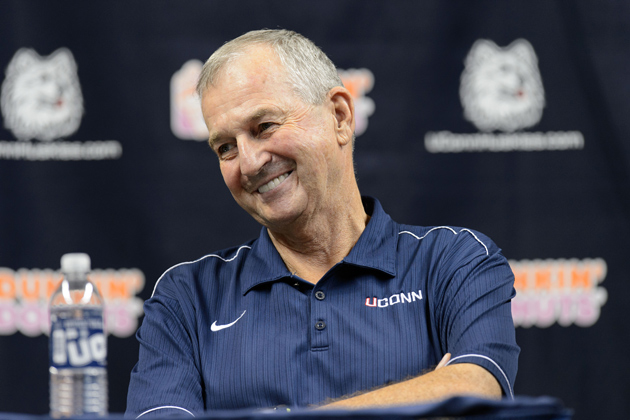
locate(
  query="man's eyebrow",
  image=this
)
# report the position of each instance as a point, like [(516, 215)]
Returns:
[(213, 139), (260, 113)]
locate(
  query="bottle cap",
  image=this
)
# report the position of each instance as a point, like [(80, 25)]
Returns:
[(75, 263)]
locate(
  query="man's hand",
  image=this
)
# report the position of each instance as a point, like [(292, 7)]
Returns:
[(444, 361), (444, 381)]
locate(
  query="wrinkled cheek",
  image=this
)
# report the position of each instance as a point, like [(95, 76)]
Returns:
[(231, 179)]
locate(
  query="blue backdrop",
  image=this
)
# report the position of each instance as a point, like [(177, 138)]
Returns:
[(508, 117)]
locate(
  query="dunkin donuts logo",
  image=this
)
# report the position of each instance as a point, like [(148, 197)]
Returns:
[(359, 82), (187, 120), (25, 293), (566, 292)]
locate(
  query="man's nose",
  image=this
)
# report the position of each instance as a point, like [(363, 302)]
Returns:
[(252, 155)]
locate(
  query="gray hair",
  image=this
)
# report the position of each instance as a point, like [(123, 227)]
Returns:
[(309, 71)]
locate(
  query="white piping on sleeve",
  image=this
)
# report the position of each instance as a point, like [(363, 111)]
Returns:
[(451, 229), (478, 240), (491, 361), (163, 407), (425, 235), (192, 262)]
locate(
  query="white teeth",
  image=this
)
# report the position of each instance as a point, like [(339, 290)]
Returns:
[(272, 184)]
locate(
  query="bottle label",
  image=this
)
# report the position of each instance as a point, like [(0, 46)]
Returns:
[(77, 339)]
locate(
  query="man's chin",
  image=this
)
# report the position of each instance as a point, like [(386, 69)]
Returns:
[(277, 224), (275, 214), (276, 220)]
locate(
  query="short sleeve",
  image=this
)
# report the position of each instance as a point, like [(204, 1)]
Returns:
[(475, 299), (166, 380)]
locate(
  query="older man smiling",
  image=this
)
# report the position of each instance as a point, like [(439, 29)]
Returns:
[(291, 311)]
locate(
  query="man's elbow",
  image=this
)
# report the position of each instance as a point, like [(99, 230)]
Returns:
[(471, 379)]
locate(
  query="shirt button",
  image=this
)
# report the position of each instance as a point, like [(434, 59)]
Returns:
[(319, 295), (320, 325)]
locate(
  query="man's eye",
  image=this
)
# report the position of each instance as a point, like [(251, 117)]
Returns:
[(264, 126), (224, 148)]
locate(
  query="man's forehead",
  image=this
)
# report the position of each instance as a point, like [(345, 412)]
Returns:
[(246, 100), (248, 92)]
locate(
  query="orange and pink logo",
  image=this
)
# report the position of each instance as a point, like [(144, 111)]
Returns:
[(24, 296), (559, 291), (359, 82), (187, 121)]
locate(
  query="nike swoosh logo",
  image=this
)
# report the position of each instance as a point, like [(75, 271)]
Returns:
[(215, 327)]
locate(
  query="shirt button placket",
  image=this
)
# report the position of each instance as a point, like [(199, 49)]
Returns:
[(320, 338)]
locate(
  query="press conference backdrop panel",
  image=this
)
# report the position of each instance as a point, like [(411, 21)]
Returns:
[(508, 117)]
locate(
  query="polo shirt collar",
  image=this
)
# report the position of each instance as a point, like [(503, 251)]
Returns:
[(375, 249), (263, 264)]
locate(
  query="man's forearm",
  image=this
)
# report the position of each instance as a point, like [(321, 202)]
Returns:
[(459, 379)]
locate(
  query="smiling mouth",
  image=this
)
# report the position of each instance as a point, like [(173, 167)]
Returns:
[(273, 183)]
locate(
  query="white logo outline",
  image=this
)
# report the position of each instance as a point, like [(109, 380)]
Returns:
[(41, 95), (501, 88), (214, 327)]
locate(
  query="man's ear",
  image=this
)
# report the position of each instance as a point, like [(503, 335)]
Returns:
[(343, 108)]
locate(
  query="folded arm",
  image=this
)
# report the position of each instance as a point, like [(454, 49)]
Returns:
[(443, 382)]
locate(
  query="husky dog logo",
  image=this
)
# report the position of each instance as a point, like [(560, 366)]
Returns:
[(501, 88), (41, 96)]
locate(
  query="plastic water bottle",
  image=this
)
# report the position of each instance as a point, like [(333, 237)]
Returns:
[(78, 345)]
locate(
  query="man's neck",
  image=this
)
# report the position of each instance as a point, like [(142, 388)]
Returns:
[(313, 249)]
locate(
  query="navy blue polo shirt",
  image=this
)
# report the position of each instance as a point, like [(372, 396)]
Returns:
[(236, 329)]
